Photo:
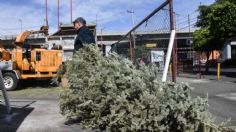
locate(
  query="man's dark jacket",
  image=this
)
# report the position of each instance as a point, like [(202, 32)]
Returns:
[(84, 36)]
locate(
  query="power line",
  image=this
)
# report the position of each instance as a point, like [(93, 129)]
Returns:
[(185, 27), (186, 16), (186, 20), (182, 17), (191, 20)]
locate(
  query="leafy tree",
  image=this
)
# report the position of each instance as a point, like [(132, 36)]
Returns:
[(202, 18), (141, 52), (220, 1), (203, 42), (217, 23), (220, 19)]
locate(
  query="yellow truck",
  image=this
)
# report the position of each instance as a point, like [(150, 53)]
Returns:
[(20, 63)]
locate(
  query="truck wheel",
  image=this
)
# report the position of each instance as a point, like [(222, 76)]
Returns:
[(10, 81)]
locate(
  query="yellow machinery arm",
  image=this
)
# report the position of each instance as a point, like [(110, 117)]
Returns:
[(20, 39)]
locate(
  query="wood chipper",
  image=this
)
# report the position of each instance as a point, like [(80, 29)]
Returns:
[(24, 63)]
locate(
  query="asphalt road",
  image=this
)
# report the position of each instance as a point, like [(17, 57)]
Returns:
[(221, 95)]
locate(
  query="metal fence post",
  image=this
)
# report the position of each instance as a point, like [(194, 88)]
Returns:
[(4, 92), (174, 55), (130, 47), (167, 62)]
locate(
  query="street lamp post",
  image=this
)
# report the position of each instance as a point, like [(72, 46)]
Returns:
[(133, 24), (131, 12), (71, 11), (20, 24), (58, 13)]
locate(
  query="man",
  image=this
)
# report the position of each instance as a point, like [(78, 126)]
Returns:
[(84, 35)]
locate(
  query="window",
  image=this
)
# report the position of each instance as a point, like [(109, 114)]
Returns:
[(38, 56)]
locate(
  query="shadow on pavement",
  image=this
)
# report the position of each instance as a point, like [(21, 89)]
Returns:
[(42, 83), (11, 122)]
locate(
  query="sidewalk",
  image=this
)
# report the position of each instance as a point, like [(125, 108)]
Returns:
[(210, 76), (39, 116)]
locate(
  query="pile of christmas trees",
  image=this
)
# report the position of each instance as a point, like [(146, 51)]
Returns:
[(109, 93)]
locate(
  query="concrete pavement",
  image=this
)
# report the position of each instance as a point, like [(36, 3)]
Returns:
[(38, 116), (42, 114)]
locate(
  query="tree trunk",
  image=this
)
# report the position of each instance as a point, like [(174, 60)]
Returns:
[(207, 62)]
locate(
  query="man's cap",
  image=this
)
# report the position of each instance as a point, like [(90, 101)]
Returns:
[(80, 19)]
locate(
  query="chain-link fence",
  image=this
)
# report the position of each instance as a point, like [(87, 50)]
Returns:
[(147, 42)]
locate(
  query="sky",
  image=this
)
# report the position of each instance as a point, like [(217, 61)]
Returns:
[(110, 15)]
